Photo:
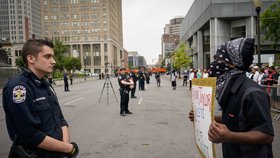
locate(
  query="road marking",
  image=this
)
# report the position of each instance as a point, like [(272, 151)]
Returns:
[(73, 101), (140, 100)]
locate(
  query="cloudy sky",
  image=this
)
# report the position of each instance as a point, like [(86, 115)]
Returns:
[(144, 21)]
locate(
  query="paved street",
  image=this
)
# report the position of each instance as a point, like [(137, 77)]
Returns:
[(159, 127)]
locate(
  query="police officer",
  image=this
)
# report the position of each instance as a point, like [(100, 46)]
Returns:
[(134, 78), (33, 114), (142, 78), (126, 83)]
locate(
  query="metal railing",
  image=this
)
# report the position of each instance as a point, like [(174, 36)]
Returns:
[(274, 95)]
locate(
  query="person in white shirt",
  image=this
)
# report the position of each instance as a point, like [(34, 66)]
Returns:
[(173, 77), (191, 77), (205, 74), (256, 73), (260, 76)]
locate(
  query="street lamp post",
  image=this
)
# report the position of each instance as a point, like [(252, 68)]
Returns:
[(257, 4), (85, 60)]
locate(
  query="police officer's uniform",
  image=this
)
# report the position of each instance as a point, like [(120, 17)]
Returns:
[(141, 80), (32, 112), (124, 92), (134, 77)]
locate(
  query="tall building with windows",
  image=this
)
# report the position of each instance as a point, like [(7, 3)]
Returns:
[(170, 38), (91, 28), (20, 20), (208, 24), (136, 60), (173, 28)]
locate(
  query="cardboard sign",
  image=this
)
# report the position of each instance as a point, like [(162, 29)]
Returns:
[(203, 93)]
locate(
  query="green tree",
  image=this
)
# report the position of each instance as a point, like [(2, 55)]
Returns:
[(19, 62), (270, 22), (59, 50), (71, 63), (181, 59)]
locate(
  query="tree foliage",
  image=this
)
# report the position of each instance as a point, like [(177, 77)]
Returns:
[(59, 50), (270, 22), (181, 59), (19, 62), (71, 63)]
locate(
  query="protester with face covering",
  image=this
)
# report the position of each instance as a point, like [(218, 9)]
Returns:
[(245, 127)]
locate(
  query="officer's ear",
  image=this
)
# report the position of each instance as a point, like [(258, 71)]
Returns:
[(31, 59)]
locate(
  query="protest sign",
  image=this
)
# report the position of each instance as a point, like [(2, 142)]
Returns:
[(203, 93)]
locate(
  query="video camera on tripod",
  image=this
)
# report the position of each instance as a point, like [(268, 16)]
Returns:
[(107, 83), (106, 67)]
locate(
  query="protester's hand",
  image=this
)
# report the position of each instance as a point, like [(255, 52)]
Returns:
[(191, 115), (218, 132), (75, 151)]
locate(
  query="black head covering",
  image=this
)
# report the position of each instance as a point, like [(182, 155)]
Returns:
[(232, 57)]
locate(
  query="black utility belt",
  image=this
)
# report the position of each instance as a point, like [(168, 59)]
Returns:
[(124, 90)]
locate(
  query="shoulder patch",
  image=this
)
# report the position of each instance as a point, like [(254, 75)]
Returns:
[(120, 77), (19, 94)]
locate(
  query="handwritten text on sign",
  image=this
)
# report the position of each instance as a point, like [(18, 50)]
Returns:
[(202, 99)]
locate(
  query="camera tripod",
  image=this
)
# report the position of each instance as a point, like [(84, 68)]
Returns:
[(107, 82)]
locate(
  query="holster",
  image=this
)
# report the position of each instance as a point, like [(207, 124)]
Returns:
[(124, 91), (17, 151)]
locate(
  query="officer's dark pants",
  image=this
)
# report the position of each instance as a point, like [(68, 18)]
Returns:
[(185, 82), (66, 86), (124, 101), (133, 90), (142, 85), (173, 83)]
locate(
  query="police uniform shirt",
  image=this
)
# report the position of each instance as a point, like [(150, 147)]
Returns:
[(32, 110), (141, 75), (121, 78)]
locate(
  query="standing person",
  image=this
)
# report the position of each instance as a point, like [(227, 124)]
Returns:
[(261, 72), (147, 74), (142, 78), (186, 76), (192, 76), (173, 77), (66, 84), (199, 73), (33, 116), (99, 76), (102, 75), (125, 82), (205, 74), (157, 76), (71, 78), (134, 79), (245, 127), (256, 73)]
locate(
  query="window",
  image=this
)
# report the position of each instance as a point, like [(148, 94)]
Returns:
[(105, 47)]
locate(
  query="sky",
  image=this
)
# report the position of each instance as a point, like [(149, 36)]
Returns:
[(144, 22)]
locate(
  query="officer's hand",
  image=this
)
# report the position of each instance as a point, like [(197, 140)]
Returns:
[(75, 151)]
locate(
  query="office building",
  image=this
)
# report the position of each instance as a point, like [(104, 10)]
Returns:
[(170, 38), (135, 59), (208, 24), (92, 29), (20, 20)]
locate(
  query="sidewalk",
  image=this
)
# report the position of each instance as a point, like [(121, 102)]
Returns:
[(61, 82)]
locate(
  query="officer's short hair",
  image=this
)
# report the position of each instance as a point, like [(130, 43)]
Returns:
[(34, 46), (121, 69)]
